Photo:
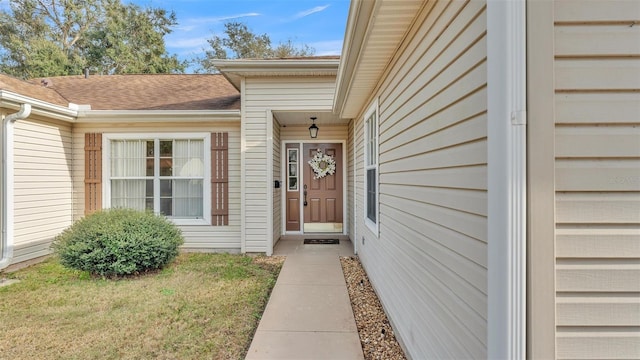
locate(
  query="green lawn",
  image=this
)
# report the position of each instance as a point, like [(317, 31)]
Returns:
[(203, 306)]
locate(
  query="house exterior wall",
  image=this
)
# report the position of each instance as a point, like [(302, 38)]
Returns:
[(197, 237), (429, 262), (351, 178), (43, 205), (260, 95), (597, 178), (327, 132), (277, 175)]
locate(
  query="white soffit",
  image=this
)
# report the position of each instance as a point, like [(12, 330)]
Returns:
[(303, 118), (234, 70), (374, 33)]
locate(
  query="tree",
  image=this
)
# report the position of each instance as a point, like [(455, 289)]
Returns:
[(244, 44), (131, 40), (60, 37)]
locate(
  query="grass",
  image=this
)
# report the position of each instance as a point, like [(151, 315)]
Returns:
[(201, 306)]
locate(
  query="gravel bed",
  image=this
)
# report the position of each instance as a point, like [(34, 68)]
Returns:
[(376, 335)]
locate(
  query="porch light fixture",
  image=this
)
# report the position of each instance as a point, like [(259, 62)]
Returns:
[(313, 129)]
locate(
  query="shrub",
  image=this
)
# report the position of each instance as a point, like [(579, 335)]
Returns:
[(118, 242)]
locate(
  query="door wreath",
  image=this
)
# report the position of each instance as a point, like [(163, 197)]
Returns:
[(322, 165)]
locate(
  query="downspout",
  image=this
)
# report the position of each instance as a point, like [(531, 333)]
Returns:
[(507, 176), (7, 182)]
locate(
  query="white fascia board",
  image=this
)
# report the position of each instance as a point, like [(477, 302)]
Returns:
[(124, 116), (277, 66), (507, 188), (12, 100), (234, 70)]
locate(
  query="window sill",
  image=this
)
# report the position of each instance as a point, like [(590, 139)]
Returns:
[(190, 222)]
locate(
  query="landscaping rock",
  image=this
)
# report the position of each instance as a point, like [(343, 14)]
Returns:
[(376, 335)]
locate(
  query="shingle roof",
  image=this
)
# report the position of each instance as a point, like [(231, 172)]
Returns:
[(147, 92), (32, 90)]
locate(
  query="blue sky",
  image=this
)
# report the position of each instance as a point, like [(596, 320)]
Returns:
[(319, 24)]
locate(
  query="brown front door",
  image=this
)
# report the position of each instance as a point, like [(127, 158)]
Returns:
[(322, 198)]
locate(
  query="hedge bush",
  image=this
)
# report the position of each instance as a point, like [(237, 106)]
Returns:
[(118, 242)]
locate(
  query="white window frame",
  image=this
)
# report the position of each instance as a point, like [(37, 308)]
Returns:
[(297, 164), (373, 110), (206, 191)]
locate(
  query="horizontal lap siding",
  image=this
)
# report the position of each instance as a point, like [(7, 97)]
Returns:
[(277, 193), (429, 265), (43, 204), (597, 137), (351, 206), (197, 237), (326, 132), (261, 95)]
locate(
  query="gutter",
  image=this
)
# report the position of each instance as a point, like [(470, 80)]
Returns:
[(41, 108), (7, 183), (139, 116)]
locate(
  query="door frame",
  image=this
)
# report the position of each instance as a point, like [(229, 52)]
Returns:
[(283, 193)]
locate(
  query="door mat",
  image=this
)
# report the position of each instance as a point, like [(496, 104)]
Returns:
[(322, 241)]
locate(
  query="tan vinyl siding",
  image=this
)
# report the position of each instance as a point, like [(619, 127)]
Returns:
[(197, 237), (597, 167), (327, 132), (351, 206), (260, 96), (42, 186), (429, 264), (277, 175)]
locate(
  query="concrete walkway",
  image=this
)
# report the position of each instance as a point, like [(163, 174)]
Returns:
[(309, 313)]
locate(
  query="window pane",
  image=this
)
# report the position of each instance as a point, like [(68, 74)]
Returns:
[(128, 158), (371, 195), (150, 168), (149, 204), (165, 188), (165, 206), (166, 148), (188, 158), (166, 167), (149, 188), (149, 195), (293, 155), (128, 194), (370, 141), (166, 197), (188, 198), (374, 151)]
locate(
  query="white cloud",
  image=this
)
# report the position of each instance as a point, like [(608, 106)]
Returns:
[(324, 48), (310, 11), (214, 19), (190, 43)]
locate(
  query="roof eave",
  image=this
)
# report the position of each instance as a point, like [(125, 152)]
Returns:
[(13, 100), (234, 70), (375, 34), (358, 23), (124, 116)]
